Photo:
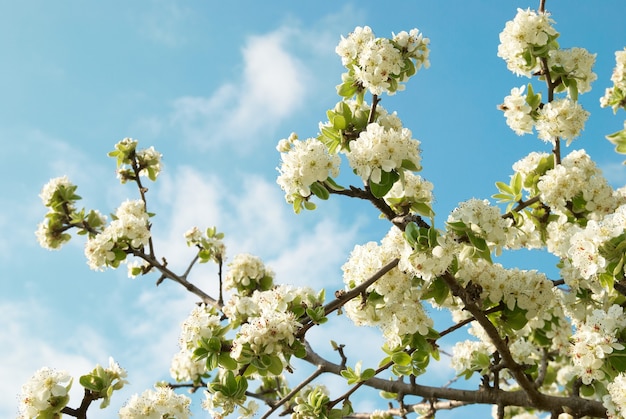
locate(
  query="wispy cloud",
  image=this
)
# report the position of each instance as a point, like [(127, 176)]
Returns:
[(255, 218), (25, 346), (164, 23), (270, 87)]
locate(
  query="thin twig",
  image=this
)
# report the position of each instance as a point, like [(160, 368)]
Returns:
[(319, 371)]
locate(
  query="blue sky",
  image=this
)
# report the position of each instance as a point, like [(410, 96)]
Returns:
[(214, 86)]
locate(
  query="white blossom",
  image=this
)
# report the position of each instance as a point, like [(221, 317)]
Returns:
[(246, 272), (517, 112), (156, 404), (563, 118), (614, 95), (617, 394), (399, 312), (526, 31), (305, 163), (577, 64), (45, 392), (380, 150), (49, 189)]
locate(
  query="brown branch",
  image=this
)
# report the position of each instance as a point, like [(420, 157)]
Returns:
[(344, 297), (497, 341), (521, 205), (573, 405), (439, 405), (375, 100), (552, 84), (81, 411), (462, 323), (166, 273), (142, 193), (367, 195), (319, 371)]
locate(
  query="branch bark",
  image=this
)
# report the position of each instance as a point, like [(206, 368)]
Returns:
[(575, 406)]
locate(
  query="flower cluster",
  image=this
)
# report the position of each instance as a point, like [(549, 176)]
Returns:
[(380, 64), (469, 356), (132, 162), (563, 118), (380, 150), (577, 177), (102, 382), (615, 401), (393, 303), (304, 163), (162, 402), (517, 112), (594, 340), (270, 320), (516, 288), (411, 193), (428, 261), (483, 220), (573, 64), (59, 195), (210, 244), (55, 187), (186, 367), (528, 35), (248, 273), (227, 393), (528, 45), (45, 394), (202, 323), (590, 248), (615, 96), (129, 230), (528, 166)]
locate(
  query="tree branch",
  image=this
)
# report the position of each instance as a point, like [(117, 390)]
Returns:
[(167, 273), (345, 296), (573, 405)]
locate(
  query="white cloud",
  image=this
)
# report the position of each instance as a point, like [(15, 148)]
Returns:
[(25, 346), (270, 88), (164, 23), (255, 219)]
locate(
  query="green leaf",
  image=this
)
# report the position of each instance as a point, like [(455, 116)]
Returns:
[(214, 344), (504, 188), (533, 100), (587, 390), (423, 209), (619, 140), (502, 197), (387, 179), (515, 319), (409, 165), (309, 205), (401, 358), (339, 122), (91, 382), (572, 88), (226, 362), (276, 366), (347, 89), (330, 182), (457, 226), (411, 234), (437, 290), (367, 374), (320, 191)]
